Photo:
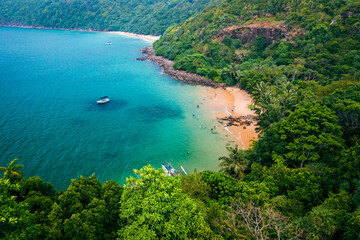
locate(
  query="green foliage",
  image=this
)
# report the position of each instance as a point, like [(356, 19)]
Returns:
[(87, 209), (223, 187), (236, 164), (259, 44), (191, 63), (16, 221), (352, 230), (195, 187), (13, 172), (346, 104), (320, 224), (145, 17), (273, 103), (154, 206), (299, 187), (309, 134), (32, 209), (325, 37), (349, 164)]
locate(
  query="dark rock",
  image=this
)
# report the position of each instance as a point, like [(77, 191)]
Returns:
[(167, 64), (271, 31), (239, 121), (141, 58)]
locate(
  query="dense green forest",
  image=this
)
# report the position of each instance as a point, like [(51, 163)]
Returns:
[(139, 16), (246, 42), (300, 180), (300, 60)]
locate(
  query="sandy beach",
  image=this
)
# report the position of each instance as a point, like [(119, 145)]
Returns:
[(149, 38), (222, 101)]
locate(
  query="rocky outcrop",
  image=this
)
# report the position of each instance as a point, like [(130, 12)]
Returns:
[(239, 121), (271, 31), (167, 64)]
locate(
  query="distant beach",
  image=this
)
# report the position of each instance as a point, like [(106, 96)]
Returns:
[(149, 38)]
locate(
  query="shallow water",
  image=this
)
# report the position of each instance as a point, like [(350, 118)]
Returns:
[(49, 83)]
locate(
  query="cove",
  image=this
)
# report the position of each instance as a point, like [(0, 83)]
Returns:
[(49, 83)]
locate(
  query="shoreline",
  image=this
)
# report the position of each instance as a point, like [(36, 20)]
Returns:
[(181, 75), (230, 108), (149, 38), (240, 122), (229, 105)]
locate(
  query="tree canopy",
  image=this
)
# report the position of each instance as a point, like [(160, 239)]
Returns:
[(138, 16)]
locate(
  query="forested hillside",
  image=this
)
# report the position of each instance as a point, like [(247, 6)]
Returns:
[(138, 16), (298, 40)]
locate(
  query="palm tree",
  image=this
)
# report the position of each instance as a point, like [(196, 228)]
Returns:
[(12, 172), (233, 71), (233, 68), (236, 163)]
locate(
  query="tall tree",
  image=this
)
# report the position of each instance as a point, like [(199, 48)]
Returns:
[(234, 164), (309, 134), (13, 171), (153, 206)]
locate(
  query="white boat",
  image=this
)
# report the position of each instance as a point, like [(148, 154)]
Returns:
[(103, 100), (108, 43)]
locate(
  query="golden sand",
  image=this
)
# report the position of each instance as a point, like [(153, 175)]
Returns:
[(221, 102)]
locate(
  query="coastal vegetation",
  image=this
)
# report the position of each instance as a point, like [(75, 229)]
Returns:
[(299, 180), (248, 42), (279, 194), (138, 16)]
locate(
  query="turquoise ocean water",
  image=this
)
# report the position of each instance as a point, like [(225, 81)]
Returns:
[(49, 83)]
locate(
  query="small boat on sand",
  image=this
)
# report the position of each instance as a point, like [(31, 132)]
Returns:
[(103, 100)]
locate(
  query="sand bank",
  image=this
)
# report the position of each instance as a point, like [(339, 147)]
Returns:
[(222, 101), (149, 38)]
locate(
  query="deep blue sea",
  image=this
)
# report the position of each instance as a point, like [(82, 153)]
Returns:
[(49, 83)]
